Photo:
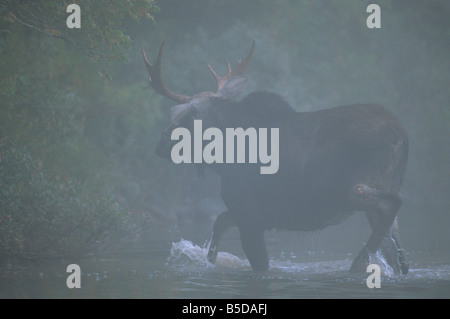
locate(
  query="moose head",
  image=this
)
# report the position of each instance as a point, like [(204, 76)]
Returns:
[(197, 106)]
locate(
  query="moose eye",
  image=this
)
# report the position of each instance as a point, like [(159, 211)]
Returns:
[(181, 112)]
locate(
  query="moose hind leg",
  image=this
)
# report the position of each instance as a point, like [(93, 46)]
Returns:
[(221, 225), (382, 208), (401, 253), (390, 247)]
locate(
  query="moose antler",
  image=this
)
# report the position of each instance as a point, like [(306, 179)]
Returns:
[(156, 82), (222, 80)]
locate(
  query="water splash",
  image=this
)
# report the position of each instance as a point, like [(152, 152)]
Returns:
[(188, 262), (379, 259), (189, 255)]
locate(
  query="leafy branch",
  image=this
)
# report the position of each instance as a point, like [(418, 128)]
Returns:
[(100, 38)]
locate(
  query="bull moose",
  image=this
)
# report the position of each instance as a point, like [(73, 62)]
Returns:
[(332, 163)]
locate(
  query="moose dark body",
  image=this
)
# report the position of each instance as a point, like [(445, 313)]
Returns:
[(332, 163)]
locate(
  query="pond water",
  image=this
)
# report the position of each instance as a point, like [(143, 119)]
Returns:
[(301, 267)]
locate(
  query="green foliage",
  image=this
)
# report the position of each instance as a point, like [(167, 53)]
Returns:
[(57, 192), (48, 215), (100, 37)]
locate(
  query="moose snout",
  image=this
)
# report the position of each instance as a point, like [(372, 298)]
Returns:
[(165, 144)]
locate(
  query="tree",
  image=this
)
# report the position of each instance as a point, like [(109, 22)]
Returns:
[(51, 201), (101, 36)]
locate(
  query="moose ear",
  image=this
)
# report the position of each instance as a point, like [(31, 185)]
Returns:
[(234, 87), (180, 112)]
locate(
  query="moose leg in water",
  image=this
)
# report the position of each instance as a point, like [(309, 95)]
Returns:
[(223, 222), (253, 243), (381, 208), (398, 250), (390, 247)]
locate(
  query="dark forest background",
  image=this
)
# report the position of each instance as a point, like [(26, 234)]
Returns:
[(79, 124)]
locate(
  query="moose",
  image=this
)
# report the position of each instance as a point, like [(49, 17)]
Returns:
[(332, 163)]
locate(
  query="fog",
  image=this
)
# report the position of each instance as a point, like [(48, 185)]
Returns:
[(322, 56), (92, 126)]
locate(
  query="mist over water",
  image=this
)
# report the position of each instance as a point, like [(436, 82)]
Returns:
[(329, 278), (180, 269)]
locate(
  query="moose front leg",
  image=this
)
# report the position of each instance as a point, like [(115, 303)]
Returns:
[(223, 222), (252, 240)]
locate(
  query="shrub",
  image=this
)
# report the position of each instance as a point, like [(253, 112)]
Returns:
[(49, 215)]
